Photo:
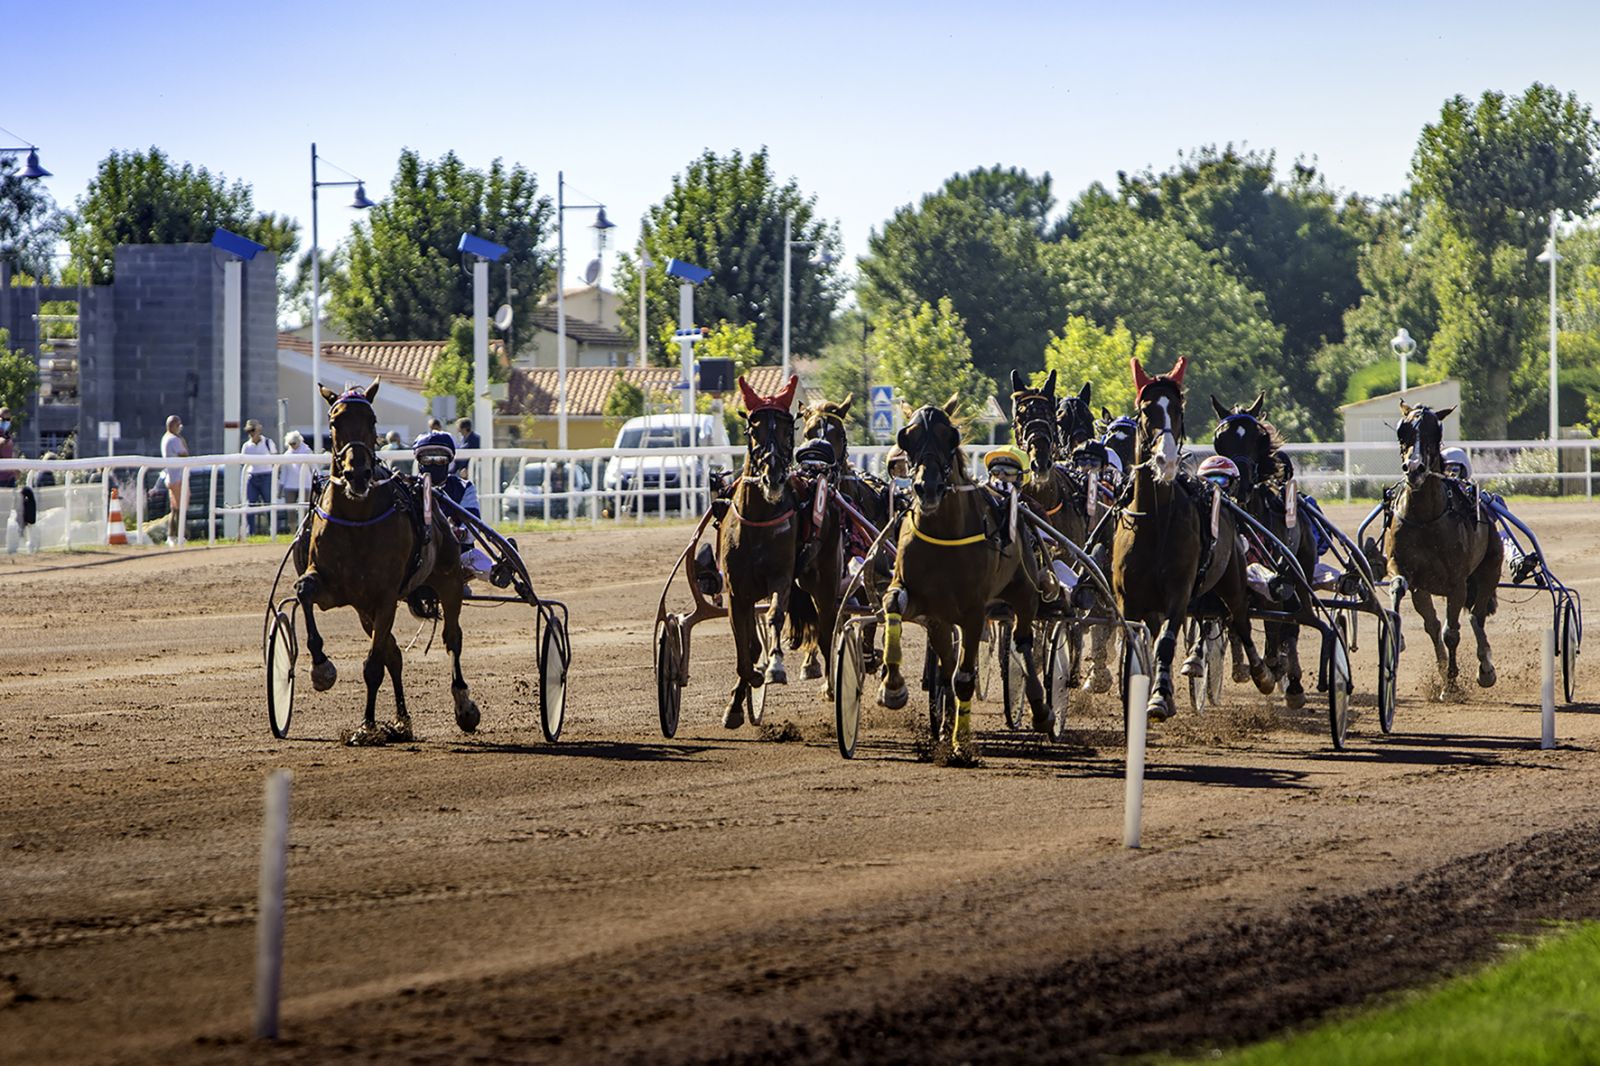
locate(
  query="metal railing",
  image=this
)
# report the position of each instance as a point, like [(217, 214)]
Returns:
[(594, 485)]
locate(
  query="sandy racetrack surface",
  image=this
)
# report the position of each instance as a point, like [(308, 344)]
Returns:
[(721, 896)]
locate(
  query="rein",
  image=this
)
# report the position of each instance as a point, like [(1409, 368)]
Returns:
[(752, 522), (327, 516)]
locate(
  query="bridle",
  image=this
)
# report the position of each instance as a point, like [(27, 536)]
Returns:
[(817, 429), (341, 457), (764, 449), (1034, 429), (1246, 463)]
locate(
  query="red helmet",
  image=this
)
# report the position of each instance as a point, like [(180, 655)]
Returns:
[(1219, 466)]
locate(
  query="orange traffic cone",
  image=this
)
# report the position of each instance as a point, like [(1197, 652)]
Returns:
[(116, 532)]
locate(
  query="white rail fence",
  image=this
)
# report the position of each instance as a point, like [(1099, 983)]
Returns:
[(517, 486)]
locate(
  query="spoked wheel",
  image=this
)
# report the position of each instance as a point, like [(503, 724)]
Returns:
[(941, 709), (1010, 674), (849, 676), (669, 675), (1338, 673), (988, 660), (1569, 651), (1205, 691), (1388, 670), (1135, 659), (554, 655), (756, 704), (282, 651), (1058, 674)]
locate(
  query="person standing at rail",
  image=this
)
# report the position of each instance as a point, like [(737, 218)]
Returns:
[(173, 446), (258, 483), (295, 478)]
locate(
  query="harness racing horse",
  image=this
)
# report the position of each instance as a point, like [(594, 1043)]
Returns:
[(1075, 419), (757, 548), (1056, 490), (1264, 482), (1159, 562), (367, 548), (949, 567), (1443, 546)]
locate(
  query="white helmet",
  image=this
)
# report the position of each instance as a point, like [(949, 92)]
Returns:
[(1457, 457)]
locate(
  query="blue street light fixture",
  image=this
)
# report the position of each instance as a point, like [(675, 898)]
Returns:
[(359, 203)]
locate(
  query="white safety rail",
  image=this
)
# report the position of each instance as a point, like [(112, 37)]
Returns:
[(596, 485)]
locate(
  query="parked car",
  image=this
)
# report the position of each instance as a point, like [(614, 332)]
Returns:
[(524, 498), (651, 480)]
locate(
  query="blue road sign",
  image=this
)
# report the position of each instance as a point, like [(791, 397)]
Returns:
[(880, 419), (882, 396)]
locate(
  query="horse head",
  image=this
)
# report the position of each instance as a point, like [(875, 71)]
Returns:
[(353, 436), (1033, 421), (826, 422), (1075, 419), (1120, 435), (1248, 439), (769, 433), (1160, 417), (1420, 433), (931, 439)]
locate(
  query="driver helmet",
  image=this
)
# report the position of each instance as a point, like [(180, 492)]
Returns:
[(1220, 469), (815, 453), (1456, 463), (897, 464), (1007, 462), (434, 452)]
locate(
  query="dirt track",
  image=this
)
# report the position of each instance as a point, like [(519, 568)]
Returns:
[(717, 896)]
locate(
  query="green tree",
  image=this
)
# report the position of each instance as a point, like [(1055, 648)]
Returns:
[(726, 214), (1083, 352), (1497, 170), (624, 401), (451, 373), (1162, 286), (19, 378), (977, 241), (404, 278), (29, 221), (924, 352), (849, 369), (729, 341), (144, 198)]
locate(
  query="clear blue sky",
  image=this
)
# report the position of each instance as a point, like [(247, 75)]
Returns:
[(868, 105)]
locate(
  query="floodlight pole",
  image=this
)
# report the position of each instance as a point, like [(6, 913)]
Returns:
[(482, 406), (561, 302), (1551, 256)]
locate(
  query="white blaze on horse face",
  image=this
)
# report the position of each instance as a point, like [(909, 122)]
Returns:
[(1167, 450)]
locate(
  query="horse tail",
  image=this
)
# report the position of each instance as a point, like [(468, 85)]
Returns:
[(1483, 583), (804, 629)]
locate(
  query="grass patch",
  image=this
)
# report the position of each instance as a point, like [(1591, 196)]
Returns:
[(1540, 1006)]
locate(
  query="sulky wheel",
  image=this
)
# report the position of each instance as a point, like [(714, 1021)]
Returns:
[(1569, 650), (756, 701), (1059, 692), (669, 675), (1205, 691), (1338, 674), (987, 658), (1010, 677), (1388, 669), (849, 674), (282, 651), (555, 653)]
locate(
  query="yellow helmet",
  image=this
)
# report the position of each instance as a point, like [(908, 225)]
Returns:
[(1006, 455)]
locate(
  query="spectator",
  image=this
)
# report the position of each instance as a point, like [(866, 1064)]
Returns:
[(435, 426), (173, 446), (469, 440), (258, 486), (296, 477), (392, 443), (8, 447)]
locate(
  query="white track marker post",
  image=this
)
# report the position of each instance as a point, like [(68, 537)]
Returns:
[(269, 921), (1547, 692), (1138, 727)]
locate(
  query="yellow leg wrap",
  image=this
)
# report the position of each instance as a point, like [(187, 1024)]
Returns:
[(962, 735), (891, 639)]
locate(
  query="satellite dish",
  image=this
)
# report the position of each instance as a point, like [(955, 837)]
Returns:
[(502, 318), (591, 272)]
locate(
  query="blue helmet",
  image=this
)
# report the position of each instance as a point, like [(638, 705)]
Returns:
[(435, 448)]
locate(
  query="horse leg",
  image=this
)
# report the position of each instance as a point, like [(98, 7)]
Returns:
[(323, 672), (964, 681), (1099, 677), (1452, 638), (746, 647), (1241, 665), (892, 692), (466, 708), (1235, 595), (1294, 693), (1423, 604), (1159, 706), (775, 673), (372, 672), (1486, 671)]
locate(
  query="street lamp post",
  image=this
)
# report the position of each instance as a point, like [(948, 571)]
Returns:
[(32, 171), (601, 224), (788, 246), (1551, 256), (1403, 346), (360, 203)]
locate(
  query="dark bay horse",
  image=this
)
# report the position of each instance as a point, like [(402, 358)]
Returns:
[(757, 542), (1244, 436), (367, 548), (1160, 564), (949, 567), (1075, 419), (1057, 492), (1443, 546)]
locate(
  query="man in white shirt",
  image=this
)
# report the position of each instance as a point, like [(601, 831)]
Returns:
[(173, 446), (258, 486)]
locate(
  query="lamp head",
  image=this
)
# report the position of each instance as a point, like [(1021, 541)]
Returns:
[(1402, 343), (481, 248), (233, 244), (361, 203), (33, 169), (601, 222)]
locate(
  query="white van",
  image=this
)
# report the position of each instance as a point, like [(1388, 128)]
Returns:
[(651, 480)]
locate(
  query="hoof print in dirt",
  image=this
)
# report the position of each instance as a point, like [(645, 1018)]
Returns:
[(782, 734), (366, 737), (965, 759)]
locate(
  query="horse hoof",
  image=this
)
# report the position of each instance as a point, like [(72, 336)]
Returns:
[(1099, 681), (1243, 673), (368, 736), (812, 671), (323, 675), (1191, 667), (1264, 680), (894, 699), (777, 675), (1295, 698), (467, 716), (733, 717), (400, 730), (1486, 677), (1158, 709)]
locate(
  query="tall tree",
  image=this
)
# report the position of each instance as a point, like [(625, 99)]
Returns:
[(19, 378), (29, 221), (924, 352), (1497, 170), (726, 214), (978, 242), (144, 198), (1083, 352), (406, 281)]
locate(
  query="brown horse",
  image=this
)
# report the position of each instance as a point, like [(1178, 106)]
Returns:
[(1443, 546), (949, 567), (1055, 490), (758, 542), (367, 549), (1244, 436), (1160, 562)]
